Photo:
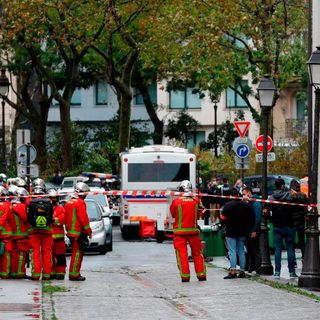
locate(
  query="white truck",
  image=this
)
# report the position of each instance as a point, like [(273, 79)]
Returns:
[(152, 168)]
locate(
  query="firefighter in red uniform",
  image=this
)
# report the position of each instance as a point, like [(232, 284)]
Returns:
[(40, 215), (5, 234), (19, 223), (59, 246), (78, 226), (186, 211)]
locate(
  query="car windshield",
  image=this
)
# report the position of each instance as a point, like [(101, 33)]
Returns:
[(100, 198), (67, 183), (93, 211)]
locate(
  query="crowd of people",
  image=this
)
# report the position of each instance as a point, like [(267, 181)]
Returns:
[(33, 226), (241, 217)]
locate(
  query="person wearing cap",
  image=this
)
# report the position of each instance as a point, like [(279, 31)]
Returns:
[(77, 226), (185, 211), (282, 218)]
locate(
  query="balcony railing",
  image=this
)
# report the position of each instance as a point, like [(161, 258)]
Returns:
[(296, 127)]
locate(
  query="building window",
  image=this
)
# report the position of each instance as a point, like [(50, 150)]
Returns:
[(76, 97), (152, 89), (75, 100), (185, 99), (101, 92), (195, 138), (234, 100)]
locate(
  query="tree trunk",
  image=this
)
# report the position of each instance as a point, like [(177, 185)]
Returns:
[(124, 120), (65, 125), (40, 139), (158, 124)]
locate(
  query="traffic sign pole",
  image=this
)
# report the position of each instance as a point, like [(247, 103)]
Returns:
[(28, 167)]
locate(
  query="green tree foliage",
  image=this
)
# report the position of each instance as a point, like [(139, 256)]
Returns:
[(180, 128), (216, 43), (55, 36)]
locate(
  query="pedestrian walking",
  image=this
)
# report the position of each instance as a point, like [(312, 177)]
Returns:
[(252, 242), (78, 228), (282, 219), (186, 210), (238, 217)]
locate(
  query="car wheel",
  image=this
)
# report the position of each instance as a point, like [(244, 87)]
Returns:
[(126, 232), (109, 246), (160, 236), (104, 249)]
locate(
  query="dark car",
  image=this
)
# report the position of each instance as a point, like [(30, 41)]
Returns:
[(271, 178)]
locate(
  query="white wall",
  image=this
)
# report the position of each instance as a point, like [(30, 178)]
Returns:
[(90, 111), (205, 115)]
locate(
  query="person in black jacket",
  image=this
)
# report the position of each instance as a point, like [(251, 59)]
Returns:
[(299, 213), (282, 219), (238, 217)]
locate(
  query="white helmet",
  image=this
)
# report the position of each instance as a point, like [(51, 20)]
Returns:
[(39, 183), (3, 177), (52, 193), (185, 186), (19, 182), (3, 191), (22, 192), (81, 187), (12, 189), (38, 190)]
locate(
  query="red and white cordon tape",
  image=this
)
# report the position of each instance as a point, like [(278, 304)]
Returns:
[(166, 193)]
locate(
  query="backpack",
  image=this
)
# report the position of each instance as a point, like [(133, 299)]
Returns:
[(40, 212)]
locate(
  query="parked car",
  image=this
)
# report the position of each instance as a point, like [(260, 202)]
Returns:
[(115, 209), (107, 215), (101, 227), (271, 178)]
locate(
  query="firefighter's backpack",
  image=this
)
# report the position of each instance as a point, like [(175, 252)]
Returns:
[(40, 212)]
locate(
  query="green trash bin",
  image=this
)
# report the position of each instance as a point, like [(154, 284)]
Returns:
[(214, 246)]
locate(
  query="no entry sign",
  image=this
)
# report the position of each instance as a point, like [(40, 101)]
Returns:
[(259, 143)]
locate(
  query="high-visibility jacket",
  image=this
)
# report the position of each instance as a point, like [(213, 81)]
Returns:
[(59, 217), (77, 219), (19, 220), (5, 213), (186, 211)]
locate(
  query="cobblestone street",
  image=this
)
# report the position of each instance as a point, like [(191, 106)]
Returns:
[(139, 279)]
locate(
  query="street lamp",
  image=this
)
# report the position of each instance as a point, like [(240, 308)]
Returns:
[(4, 89), (215, 100), (310, 274), (266, 93)]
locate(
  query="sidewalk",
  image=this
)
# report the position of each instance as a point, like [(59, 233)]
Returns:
[(139, 290), (20, 299), (116, 290)]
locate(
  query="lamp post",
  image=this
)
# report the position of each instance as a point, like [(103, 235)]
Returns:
[(4, 89), (310, 274), (266, 93), (215, 100)]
